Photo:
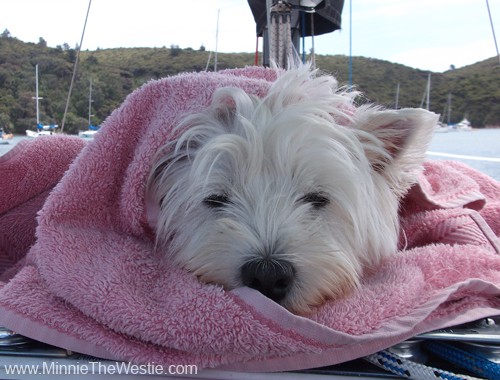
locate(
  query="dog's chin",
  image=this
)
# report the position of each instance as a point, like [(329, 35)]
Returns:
[(298, 303), (312, 287), (306, 304)]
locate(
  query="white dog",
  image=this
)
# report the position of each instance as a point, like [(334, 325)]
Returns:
[(293, 194)]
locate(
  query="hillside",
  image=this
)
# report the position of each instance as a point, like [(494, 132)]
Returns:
[(117, 72)]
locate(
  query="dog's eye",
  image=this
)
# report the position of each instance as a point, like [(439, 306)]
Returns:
[(316, 199), (216, 200)]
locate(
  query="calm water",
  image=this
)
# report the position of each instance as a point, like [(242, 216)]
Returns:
[(480, 146), (4, 148), (477, 145)]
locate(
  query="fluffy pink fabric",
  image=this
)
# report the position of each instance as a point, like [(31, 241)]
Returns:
[(28, 172), (92, 283)]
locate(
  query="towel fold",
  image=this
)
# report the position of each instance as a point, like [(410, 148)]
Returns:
[(92, 282)]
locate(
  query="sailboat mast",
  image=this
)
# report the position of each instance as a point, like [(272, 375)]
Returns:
[(427, 94), (396, 105), (350, 44), (216, 40), (90, 102), (493, 30), (449, 109), (428, 100), (37, 98)]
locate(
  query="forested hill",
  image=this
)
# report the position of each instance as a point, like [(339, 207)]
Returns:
[(475, 89)]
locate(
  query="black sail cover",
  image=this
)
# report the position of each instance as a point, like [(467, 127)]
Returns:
[(327, 16)]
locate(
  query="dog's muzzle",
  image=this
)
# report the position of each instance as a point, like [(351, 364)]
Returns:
[(273, 278)]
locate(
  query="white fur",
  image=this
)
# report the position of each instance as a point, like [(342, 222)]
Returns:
[(264, 155)]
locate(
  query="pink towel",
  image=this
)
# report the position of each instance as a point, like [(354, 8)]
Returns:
[(28, 171), (93, 284)]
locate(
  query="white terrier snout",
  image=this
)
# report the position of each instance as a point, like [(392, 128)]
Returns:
[(272, 278)]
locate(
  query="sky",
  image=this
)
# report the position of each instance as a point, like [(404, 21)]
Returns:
[(424, 34)]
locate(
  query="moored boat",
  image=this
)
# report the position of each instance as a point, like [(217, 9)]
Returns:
[(464, 125), (90, 133), (42, 130)]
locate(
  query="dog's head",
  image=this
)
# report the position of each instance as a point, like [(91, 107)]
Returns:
[(292, 194)]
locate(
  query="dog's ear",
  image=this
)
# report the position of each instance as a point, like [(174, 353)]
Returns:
[(173, 152), (193, 133), (395, 142)]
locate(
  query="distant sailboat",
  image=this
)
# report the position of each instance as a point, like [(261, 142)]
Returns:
[(42, 130), (93, 129), (426, 99), (442, 126), (464, 125)]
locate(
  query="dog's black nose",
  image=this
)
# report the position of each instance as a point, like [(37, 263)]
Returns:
[(273, 278)]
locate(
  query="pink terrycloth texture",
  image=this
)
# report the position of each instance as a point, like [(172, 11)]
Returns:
[(29, 171), (92, 283)]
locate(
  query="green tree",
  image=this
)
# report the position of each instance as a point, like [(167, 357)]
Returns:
[(6, 34), (5, 122), (175, 50)]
